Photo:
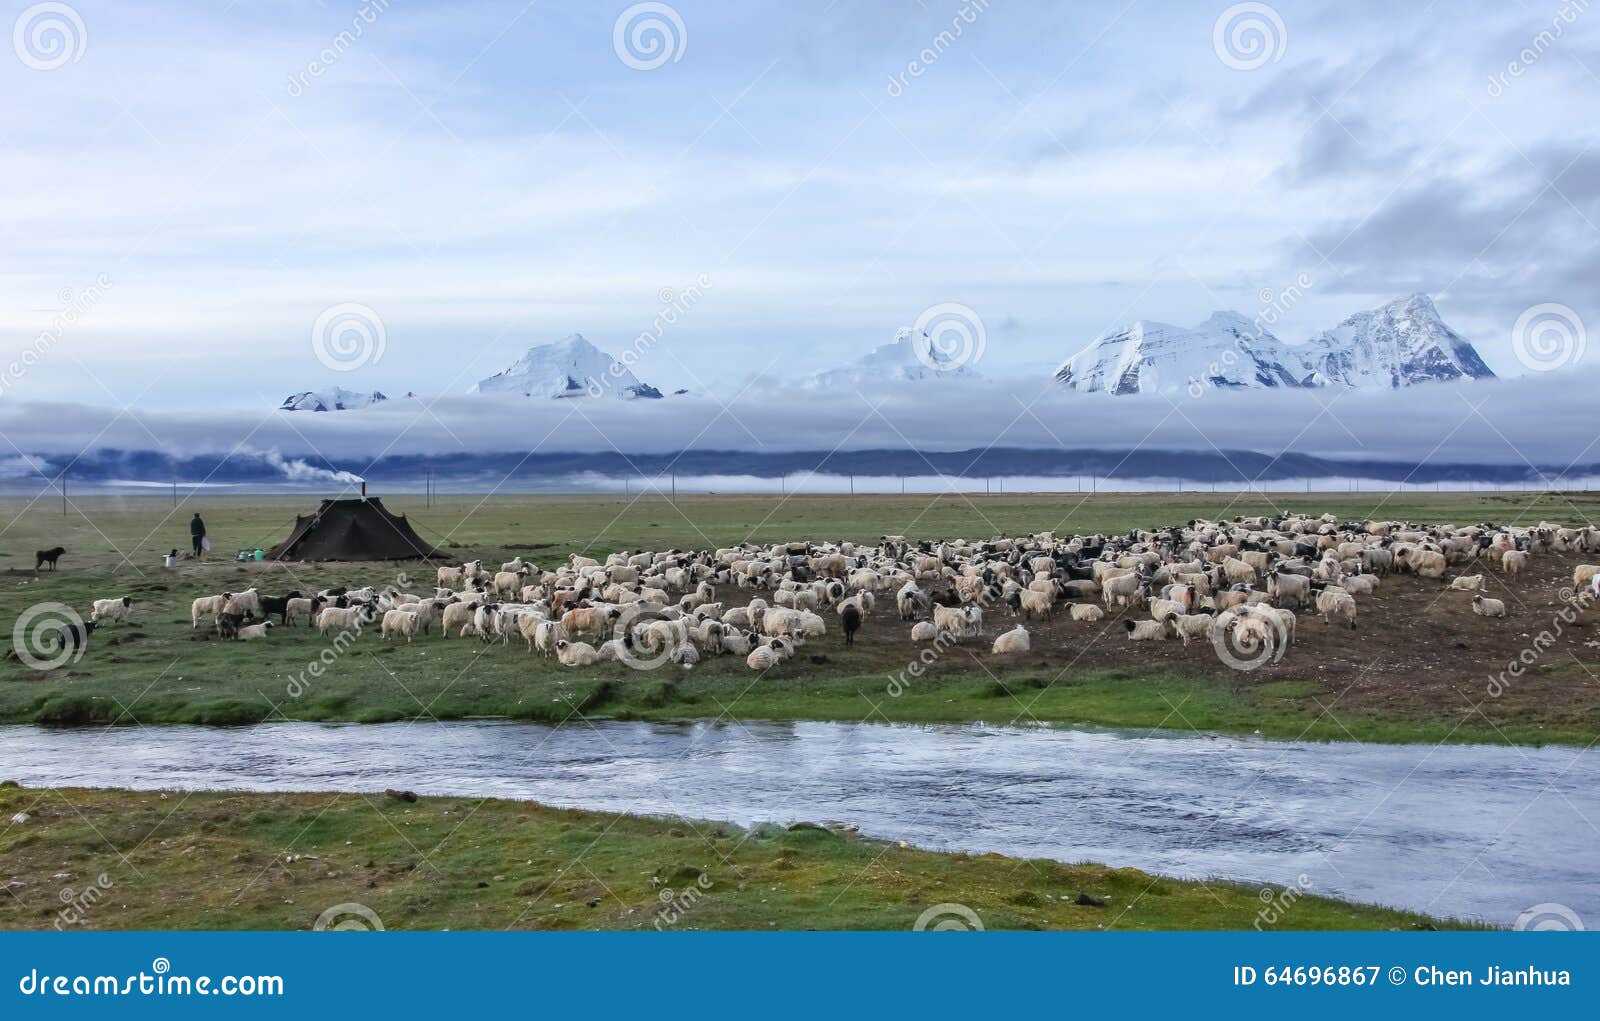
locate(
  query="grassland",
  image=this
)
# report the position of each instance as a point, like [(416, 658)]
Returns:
[(131, 860), (155, 670)]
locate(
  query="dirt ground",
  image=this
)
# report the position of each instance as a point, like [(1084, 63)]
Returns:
[(1417, 647)]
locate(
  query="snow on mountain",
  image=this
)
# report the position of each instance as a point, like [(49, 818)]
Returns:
[(569, 368), (1226, 350), (333, 399), (911, 357), (1398, 344)]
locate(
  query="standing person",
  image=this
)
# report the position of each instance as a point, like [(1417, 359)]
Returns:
[(197, 532)]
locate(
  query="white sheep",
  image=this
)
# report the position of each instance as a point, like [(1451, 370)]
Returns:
[(207, 607), (457, 616), (576, 653), (547, 634), (298, 607), (1188, 626), (111, 609), (1359, 584), (507, 583), (1145, 630), (1121, 590), (1288, 589), (910, 600), (1468, 583), (924, 631), (1087, 612), (1015, 640), (1031, 603), (1485, 607), (1337, 605), (342, 618), (254, 631), (398, 622), (684, 654), (1283, 621)]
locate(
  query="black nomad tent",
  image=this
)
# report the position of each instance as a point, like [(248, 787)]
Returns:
[(356, 529)]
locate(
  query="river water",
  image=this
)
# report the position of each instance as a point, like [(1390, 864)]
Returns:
[(1469, 831)]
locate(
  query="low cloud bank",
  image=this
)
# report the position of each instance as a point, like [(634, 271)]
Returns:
[(1543, 420)]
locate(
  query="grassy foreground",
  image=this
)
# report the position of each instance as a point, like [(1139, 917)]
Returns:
[(155, 670), (132, 860)]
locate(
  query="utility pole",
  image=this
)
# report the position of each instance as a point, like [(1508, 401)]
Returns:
[(674, 486), (63, 492), (852, 484)]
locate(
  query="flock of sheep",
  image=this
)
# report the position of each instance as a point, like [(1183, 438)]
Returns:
[(1242, 581)]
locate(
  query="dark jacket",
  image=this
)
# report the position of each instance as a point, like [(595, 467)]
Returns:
[(196, 526)]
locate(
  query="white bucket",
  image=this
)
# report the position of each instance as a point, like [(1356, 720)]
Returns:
[(168, 560)]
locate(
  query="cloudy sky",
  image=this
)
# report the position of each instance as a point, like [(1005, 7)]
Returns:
[(193, 185)]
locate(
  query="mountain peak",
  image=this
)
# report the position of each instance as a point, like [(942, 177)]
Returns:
[(570, 367), (335, 398), (1394, 345), (910, 357), (1228, 350)]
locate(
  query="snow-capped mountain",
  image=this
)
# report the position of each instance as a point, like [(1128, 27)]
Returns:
[(333, 399), (1395, 345), (569, 368), (1398, 344), (1226, 350), (910, 358)]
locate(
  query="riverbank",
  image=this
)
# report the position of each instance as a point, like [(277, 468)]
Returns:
[(114, 859), (215, 690)]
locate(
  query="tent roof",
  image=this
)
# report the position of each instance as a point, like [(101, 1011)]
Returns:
[(355, 529)]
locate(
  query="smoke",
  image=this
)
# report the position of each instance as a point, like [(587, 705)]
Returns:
[(297, 470)]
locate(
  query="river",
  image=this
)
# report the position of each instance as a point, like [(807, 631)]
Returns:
[(1468, 831)]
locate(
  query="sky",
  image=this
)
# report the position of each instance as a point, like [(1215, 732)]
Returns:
[(193, 188)]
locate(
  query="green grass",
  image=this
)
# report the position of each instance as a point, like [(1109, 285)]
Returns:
[(132, 860), (152, 671)]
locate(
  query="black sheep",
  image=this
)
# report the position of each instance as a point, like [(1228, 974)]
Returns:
[(73, 635), (850, 618), (278, 605)]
